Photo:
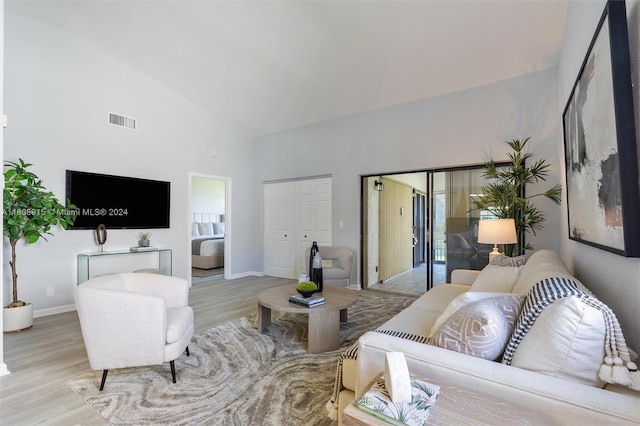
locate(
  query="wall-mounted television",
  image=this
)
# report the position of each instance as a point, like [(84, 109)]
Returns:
[(118, 202)]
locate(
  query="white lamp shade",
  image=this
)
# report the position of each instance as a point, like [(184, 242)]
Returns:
[(497, 231)]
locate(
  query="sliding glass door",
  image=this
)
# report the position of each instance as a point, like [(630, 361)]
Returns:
[(420, 226)]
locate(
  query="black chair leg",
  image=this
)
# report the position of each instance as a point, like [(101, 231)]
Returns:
[(188, 354), (173, 370), (104, 379)]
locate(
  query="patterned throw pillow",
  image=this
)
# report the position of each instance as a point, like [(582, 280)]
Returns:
[(461, 301), (504, 260), (481, 329)]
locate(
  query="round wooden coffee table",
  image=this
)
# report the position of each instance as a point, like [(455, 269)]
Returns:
[(324, 320)]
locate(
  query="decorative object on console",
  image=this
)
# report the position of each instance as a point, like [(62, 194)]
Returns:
[(497, 231), (101, 236), (29, 213), (603, 195), (505, 198), (144, 239)]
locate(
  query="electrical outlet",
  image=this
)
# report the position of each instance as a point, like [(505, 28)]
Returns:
[(50, 291)]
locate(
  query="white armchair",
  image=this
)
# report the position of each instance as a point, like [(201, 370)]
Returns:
[(337, 264), (132, 320)]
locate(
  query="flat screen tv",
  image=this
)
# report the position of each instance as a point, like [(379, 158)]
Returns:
[(118, 202)]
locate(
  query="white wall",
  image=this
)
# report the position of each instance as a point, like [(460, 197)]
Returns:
[(59, 90), (613, 278), (207, 195), (467, 127)]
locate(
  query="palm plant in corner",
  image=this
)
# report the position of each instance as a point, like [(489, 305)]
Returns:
[(505, 195), (29, 213)]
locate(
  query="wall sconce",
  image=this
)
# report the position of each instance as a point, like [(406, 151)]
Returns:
[(378, 185)]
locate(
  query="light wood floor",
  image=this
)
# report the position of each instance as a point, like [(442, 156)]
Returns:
[(41, 359)]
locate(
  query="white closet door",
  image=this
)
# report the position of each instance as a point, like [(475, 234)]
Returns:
[(314, 212), (296, 213), (279, 230)]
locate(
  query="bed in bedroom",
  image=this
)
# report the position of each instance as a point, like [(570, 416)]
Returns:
[(207, 241)]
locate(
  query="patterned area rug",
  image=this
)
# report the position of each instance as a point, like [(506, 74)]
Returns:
[(237, 376), (202, 273)]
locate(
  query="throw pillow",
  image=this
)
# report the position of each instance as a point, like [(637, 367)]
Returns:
[(218, 227), (566, 340), (459, 302), (482, 328), (504, 260), (195, 232), (500, 279), (206, 228)]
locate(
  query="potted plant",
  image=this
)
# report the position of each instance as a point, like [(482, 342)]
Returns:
[(30, 211), (505, 197), (144, 239)]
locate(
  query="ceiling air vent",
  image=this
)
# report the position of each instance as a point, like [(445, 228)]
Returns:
[(122, 121)]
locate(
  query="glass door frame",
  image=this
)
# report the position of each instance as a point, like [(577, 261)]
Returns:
[(430, 256)]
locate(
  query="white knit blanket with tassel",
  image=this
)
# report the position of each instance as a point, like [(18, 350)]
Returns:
[(617, 367)]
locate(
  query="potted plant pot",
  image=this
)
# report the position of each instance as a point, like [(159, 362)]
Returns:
[(17, 318)]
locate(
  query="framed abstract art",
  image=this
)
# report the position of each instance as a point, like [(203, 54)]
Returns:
[(603, 196)]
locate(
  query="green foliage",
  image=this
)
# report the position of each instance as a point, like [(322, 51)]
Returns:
[(307, 286), (29, 210), (505, 196), (144, 236)]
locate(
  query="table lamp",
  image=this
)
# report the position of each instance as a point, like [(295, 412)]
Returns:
[(497, 231)]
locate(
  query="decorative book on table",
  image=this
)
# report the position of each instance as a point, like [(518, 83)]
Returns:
[(378, 403), (309, 302), (148, 248)]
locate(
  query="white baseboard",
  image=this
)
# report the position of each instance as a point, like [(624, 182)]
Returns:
[(355, 286), (4, 370), (245, 274), (53, 311)]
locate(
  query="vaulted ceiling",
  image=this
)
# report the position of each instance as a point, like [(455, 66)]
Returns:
[(268, 66)]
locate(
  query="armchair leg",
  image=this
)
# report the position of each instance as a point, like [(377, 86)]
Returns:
[(188, 354), (173, 370), (104, 379)]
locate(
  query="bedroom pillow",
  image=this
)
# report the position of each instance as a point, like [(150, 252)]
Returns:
[(481, 329), (461, 301), (218, 227), (494, 278), (205, 228), (195, 231)]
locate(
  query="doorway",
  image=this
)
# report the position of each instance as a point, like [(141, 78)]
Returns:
[(209, 227), (440, 236)]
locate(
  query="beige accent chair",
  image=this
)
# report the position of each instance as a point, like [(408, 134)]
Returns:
[(134, 319), (337, 264)]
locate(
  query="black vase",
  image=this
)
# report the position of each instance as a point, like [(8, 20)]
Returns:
[(312, 255)]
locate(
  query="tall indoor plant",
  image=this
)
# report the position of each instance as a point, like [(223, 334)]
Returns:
[(506, 198), (29, 213)]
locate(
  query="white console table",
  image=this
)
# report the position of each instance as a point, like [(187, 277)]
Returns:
[(84, 260)]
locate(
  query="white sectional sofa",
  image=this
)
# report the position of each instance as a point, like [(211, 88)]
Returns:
[(554, 367)]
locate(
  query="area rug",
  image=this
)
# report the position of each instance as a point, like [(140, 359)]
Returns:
[(237, 376), (203, 273)]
